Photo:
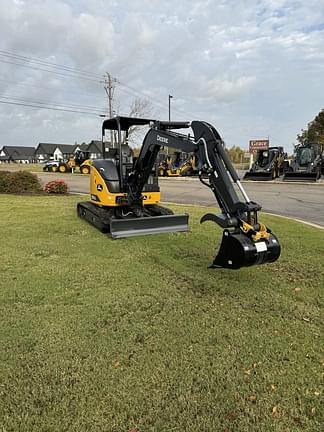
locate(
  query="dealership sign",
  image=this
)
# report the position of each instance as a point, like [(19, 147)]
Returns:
[(255, 145)]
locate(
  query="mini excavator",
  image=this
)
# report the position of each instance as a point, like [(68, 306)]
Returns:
[(125, 194)]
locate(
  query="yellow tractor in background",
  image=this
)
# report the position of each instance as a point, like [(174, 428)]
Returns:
[(178, 164), (170, 165), (80, 161)]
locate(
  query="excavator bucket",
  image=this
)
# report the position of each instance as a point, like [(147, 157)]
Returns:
[(300, 176), (130, 227), (261, 176), (238, 250)]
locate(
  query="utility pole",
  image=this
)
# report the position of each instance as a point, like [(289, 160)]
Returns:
[(109, 88), (170, 97)]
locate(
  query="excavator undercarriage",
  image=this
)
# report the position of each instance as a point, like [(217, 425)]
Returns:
[(125, 195)]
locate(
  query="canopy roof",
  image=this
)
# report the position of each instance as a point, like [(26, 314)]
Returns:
[(125, 123)]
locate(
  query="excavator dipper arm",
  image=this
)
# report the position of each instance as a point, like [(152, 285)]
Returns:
[(245, 241)]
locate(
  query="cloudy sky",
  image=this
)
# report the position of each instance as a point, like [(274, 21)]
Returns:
[(252, 68)]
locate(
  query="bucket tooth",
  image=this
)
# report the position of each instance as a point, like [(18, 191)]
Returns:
[(237, 250)]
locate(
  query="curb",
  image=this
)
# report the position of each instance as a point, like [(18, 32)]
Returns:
[(297, 220), (265, 212), (270, 182)]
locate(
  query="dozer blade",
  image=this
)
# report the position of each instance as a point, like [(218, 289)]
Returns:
[(300, 177), (261, 176), (237, 250), (130, 227)]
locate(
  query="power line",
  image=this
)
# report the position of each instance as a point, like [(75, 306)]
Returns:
[(52, 103), (51, 71), (12, 55), (72, 72), (46, 88), (160, 105), (48, 108)]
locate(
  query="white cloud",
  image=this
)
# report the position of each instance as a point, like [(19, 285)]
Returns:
[(224, 90), (237, 64)]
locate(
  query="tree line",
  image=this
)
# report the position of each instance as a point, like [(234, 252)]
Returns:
[(314, 133)]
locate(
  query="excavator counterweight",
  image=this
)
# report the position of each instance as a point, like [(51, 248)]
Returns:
[(125, 195)]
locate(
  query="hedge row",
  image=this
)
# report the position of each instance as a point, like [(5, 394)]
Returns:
[(19, 182), (25, 182)]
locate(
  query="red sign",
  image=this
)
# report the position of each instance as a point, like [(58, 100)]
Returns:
[(255, 145)]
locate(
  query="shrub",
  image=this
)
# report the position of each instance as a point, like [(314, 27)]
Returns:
[(19, 182), (4, 181), (56, 187)]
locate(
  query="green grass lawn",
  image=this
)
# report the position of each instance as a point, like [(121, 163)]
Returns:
[(138, 335), (33, 167)]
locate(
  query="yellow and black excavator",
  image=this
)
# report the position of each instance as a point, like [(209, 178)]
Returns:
[(183, 164), (125, 194)]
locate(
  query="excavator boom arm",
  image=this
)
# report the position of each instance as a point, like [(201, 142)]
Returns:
[(208, 145)]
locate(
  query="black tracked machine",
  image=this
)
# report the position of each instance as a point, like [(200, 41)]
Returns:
[(307, 164), (125, 194), (269, 165)]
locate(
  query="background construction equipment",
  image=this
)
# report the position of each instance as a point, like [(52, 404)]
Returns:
[(307, 165), (268, 165)]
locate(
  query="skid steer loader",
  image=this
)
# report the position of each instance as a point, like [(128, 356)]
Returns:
[(125, 194), (306, 165), (268, 165)]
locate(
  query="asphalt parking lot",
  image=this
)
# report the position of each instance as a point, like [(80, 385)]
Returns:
[(298, 200)]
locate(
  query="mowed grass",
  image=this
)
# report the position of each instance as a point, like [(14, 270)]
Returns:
[(139, 335), (32, 167)]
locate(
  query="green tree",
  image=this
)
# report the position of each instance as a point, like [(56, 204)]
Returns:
[(236, 154), (314, 131)]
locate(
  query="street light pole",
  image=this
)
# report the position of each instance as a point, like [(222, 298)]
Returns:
[(170, 97)]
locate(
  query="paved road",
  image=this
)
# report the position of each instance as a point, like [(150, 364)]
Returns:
[(301, 201)]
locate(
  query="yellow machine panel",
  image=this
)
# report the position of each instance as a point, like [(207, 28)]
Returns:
[(102, 196)]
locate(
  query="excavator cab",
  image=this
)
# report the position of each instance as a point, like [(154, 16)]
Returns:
[(125, 194)]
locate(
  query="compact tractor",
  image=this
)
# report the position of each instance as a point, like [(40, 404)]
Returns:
[(80, 162)]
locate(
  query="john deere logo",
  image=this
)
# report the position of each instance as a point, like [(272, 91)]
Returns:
[(99, 187), (162, 139)]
